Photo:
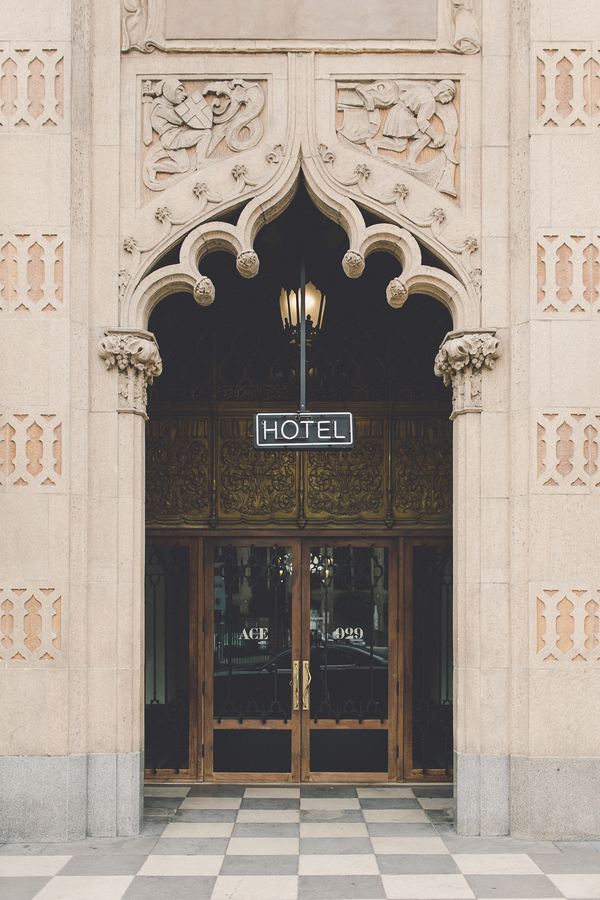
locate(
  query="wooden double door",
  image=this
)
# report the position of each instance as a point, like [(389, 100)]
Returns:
[(299, 658)]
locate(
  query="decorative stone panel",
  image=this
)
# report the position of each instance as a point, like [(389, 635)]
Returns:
[(567, 273), (32, 271), (567, 626), (566, 455), (32, 627), (34, 84), (31, 451), (566, 87)]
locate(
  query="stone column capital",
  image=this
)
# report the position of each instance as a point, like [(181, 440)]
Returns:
[(137, 360), (461, 359)]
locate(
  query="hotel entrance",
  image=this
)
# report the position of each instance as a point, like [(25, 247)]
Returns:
[(298, 602), (311, 659)]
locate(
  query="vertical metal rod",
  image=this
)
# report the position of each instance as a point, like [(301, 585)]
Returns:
[(302, 337)]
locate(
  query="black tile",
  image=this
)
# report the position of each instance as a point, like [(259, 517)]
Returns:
[(163, 802), (191, 846), (392, 829), (314, 791), (161, 887), (260, 865), (340, 887), (335, 846), (509, 886), (270, 803), (205, 815), (433, 790), (24, 888), (417, 864), (218, 790), (107, 864), (333, 815)]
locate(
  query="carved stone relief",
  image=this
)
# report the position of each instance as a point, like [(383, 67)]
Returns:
[(423, 467), (460, 362), (31, 451), (566, 88), (33, 87), (567, 273), (32, 268), (412, 124), (567, 626), (566, 456), (185, 125), (137, 360), (31, 626)]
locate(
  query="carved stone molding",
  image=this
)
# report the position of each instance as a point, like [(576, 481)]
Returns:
[(460, 361), (143, 28), (136, 357), (567, 449)]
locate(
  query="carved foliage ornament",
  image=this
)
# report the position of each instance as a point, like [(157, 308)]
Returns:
[(138, 362), (460, 362), (183, 131)]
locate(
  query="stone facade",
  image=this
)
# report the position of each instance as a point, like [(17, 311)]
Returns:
[(472, 130)]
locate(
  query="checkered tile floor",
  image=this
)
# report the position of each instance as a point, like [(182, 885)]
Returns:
[(313, 842)]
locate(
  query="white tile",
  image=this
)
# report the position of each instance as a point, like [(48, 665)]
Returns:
[(373, 793), (255, 887), (269, 815), (436, 802), (85, 887), (323, 864), (582, 886), (333, 829), (426, 887), (198, 830), (496, 864), (411, 816), (263, 847), (408, 845), (162, 790), (211, 803), (168, 864), (329, 803), (17, 866), (277, 793)]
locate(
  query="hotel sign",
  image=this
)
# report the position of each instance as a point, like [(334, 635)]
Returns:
[(303, 431)]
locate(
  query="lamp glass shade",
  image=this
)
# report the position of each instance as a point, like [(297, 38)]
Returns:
[(289, 302)]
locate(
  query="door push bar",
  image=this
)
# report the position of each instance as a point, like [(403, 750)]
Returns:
[(295, 684)]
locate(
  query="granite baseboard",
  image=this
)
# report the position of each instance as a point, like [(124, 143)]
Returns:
[(66, 798), (555, 798), (482, 793)]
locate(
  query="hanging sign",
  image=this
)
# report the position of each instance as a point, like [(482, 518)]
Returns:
[(303, 431)]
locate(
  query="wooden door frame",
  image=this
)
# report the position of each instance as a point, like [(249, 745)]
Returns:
[(201, 636)]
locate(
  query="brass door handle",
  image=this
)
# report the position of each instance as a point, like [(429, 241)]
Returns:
[(306, 685), (295, 684)]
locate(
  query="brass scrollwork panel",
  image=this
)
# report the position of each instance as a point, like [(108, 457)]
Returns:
[(177, 471)]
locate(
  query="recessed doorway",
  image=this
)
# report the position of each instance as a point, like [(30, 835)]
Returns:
[(324, 658)]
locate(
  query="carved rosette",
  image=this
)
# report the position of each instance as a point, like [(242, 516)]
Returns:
[(353, 264), (136, 357), (460, 362), (247, 263)]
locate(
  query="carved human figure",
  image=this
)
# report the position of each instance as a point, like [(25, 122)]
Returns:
[(409, 120), (412, 106), (179, 126)]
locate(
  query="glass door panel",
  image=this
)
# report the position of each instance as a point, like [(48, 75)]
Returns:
[(253, 671), (348, 714)]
